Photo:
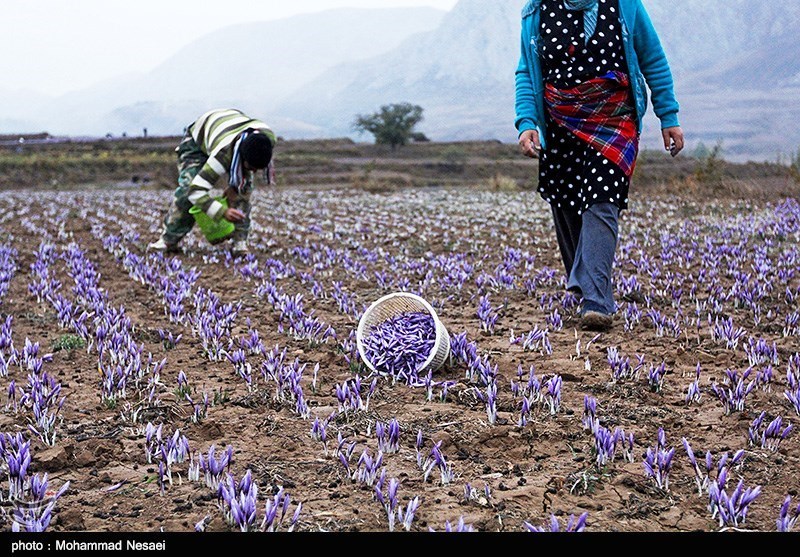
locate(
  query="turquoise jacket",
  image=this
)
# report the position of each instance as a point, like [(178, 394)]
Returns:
[(647, 63)]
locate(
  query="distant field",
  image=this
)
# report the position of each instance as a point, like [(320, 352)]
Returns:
[(138, 162)]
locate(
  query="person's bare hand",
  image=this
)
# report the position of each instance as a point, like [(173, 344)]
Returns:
[(673, 140), (234, 215), (530, 144)]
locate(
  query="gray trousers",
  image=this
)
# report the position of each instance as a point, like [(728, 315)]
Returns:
[(588, 244)]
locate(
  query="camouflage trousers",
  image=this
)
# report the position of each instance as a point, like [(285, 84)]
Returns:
[(179, 221)]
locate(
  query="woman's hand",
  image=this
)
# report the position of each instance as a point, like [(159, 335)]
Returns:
[(234, 215), (530, 144), (673, 140)]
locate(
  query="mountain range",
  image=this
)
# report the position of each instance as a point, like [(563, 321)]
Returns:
[(736, 64), (251, 66)]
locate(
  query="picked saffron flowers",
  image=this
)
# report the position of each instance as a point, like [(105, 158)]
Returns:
[(401, 345)]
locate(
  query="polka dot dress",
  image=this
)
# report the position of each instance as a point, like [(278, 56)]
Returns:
[(572, 174)]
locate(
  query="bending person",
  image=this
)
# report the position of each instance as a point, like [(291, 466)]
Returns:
[(222, 142)]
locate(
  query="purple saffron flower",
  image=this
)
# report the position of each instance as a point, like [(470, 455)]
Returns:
[(787, 519), (590, 420), (402, 344), (658, 461), (573, 524)]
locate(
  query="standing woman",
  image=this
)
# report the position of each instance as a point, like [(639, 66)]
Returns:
[(580, 100)]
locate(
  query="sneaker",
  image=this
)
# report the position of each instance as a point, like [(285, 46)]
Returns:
[(163, 247), (596, 321), (240, 248)]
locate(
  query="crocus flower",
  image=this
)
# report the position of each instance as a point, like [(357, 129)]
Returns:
[(573, 524), (658, 461)]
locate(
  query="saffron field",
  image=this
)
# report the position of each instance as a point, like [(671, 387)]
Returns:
[(143, 392)]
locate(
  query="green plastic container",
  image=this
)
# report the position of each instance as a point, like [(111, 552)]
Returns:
[(215, 232)]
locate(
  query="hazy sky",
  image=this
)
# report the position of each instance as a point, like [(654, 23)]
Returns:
[(56, 46)]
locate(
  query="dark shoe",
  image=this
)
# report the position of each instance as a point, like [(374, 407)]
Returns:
[(596, 321)]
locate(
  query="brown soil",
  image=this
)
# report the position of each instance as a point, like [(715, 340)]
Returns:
[(547, 466)]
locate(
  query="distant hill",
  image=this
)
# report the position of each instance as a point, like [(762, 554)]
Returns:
[(698, 34), (736, 63), (774, 64), (253, 66), (461, 73)]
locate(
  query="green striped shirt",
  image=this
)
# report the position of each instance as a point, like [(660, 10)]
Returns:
[(216, 132)]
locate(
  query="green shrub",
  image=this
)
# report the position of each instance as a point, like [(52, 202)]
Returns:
[(701, 151), (454, 159), (221, 397), (500, 182), (794, 165), (68, 342), (710, 167)]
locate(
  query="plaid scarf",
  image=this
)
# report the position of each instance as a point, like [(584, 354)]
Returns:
[(601, 113)]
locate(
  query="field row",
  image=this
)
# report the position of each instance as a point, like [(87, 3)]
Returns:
[(231, 391)]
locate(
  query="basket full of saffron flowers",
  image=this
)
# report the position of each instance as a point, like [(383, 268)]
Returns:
[(401, 335)]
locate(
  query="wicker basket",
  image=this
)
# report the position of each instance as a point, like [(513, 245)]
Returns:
[(397, 304)]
